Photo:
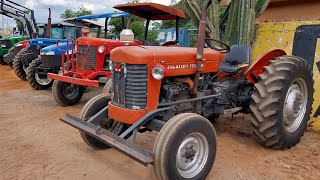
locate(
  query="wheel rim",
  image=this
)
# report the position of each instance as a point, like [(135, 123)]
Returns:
[(295, 105), (192, 155), (42, 81), (70, 91)]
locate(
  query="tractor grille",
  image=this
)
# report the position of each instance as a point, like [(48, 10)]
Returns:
[(130, 89), (5, 43), (88, 56), (51, 60)]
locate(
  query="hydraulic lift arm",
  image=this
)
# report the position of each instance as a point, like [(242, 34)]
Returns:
[(21, 13)]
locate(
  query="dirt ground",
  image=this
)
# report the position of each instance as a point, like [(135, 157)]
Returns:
[(35, 144)]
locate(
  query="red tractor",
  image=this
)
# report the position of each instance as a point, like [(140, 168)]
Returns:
[(91, 66), (176, 90)]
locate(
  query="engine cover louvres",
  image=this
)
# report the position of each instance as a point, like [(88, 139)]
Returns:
[(89, 55), (130, 86)]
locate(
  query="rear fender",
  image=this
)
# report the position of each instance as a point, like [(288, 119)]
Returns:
[(256, 68)]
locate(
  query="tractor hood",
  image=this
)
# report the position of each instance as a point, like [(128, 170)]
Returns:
[(14, 37), (56, 50), (160, 54), (43, 42), (108, 43)]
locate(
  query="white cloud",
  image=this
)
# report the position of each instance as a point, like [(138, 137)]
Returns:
[(40, 7)]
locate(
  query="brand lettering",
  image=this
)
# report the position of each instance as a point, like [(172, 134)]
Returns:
[(182, 66)]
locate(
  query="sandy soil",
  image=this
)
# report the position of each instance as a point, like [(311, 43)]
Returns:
[(34, 144)]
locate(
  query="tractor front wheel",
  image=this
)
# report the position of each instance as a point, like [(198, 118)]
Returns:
[(90, 109), (67, 94), (107, 89), (37, 81), (185, 148), (281, 103)]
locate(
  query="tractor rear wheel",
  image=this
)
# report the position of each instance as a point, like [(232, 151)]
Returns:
[(18, 66), (37, 81), (281, 103), (67, 94), (185, 148), (91, 108)]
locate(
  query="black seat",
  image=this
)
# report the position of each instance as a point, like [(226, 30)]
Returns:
[(238, 56)]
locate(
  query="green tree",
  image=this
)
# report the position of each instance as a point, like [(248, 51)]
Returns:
[(184, 23), (68, 13)]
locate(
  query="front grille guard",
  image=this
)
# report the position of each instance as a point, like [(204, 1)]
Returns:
[(70, 64)]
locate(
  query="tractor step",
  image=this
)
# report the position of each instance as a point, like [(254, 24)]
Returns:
[(131, 150)]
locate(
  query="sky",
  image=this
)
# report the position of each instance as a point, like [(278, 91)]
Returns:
[(40, 7)]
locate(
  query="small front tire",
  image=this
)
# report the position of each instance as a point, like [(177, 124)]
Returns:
[(92, 107), (36, 81), (67, 94), (185, 148)]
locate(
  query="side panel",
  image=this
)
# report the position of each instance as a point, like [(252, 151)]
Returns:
[(300, 38)]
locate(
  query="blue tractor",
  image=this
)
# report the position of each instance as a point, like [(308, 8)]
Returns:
[(49, 60), (58, 31)]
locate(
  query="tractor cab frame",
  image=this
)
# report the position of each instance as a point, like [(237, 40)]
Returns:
[(91, 65)]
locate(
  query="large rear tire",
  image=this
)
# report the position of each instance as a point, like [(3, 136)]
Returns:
[(36, 81), (91, 108), (67, 94), (281, 103), (18, 66), (185, 148)]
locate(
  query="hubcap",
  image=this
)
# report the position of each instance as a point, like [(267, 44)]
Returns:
[(192, 155), (42, 80), (295, 105), (70, 91)]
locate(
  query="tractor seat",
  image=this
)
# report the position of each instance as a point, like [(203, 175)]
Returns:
[(238, 57)]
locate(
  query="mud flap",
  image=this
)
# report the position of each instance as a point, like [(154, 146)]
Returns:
[(131, 150)]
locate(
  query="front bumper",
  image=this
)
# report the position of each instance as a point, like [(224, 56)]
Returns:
[(124, 146), (72, 80), (44, 70), (8, 58)]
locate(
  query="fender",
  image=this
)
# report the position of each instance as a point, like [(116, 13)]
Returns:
[(256, 68)]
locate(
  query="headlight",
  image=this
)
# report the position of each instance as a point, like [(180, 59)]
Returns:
[(158, 72), (48, 53), (18, 45), (110, 65), (101, 49)]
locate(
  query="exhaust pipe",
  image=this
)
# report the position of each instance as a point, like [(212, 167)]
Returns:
[(49, 25), (200, 45)]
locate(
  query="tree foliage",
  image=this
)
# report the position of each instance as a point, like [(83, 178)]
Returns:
[(68, 13)]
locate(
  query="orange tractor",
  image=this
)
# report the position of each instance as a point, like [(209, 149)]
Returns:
[(176, 90), (90, 67)]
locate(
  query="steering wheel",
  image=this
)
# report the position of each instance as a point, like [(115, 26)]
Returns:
[(224, 49), (147, 43), (170, 43)]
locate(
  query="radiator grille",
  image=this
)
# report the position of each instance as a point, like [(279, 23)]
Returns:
[(5, 43), (89, 56), (130, 86)]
